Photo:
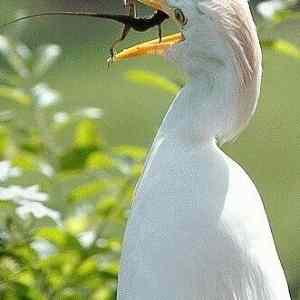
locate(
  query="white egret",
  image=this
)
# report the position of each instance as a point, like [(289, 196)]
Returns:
[(198, 229)]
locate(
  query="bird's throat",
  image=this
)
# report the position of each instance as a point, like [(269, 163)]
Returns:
[(204, 110), (189, 118)]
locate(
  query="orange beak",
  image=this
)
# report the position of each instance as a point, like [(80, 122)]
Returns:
[(154, 47)]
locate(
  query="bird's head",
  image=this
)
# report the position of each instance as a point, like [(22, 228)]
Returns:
[(217, 37), (212, 34)]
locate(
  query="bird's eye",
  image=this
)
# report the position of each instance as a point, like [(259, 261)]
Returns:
[(179, 16)]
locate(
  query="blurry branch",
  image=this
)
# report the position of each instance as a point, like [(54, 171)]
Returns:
[(153, 80)]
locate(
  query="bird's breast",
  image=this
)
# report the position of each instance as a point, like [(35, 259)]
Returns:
[(183, 178), (191, 228), (170, 221)]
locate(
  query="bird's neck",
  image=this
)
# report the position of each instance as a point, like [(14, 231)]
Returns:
[(203, 110)]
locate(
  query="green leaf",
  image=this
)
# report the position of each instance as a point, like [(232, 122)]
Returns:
[(105, 206), (25, 277), (282, 47), (88, 267), (103, 294), (77, 224), (86, 134), (58, 237), (91, 189), (109, 269), (132, 152), (114, 246), (75, 159), (26, 161), (99, 160), (65, 262), (25, 252), (153, 80), (15, 94)]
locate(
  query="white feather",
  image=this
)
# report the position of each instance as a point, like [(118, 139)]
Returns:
[(198, 229)]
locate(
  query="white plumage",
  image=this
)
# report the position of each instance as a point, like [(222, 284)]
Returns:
[(198, 229)]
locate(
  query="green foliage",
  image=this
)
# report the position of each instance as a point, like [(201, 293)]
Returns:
[(71, 249)]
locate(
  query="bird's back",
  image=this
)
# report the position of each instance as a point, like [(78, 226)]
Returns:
[(198, 231)]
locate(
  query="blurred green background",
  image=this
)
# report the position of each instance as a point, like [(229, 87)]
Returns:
[(269, 149)]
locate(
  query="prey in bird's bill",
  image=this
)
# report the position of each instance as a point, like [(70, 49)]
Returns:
[(130, 21), (138, 24), (130, 4)]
